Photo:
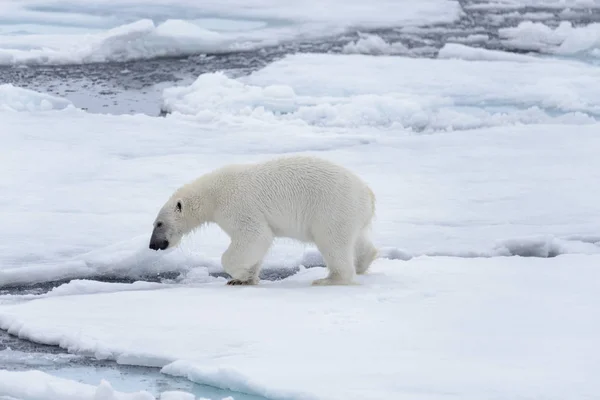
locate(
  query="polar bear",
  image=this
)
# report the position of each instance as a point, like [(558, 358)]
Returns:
[(299, 197)]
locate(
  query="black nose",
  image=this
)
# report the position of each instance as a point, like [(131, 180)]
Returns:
[(159, 245)]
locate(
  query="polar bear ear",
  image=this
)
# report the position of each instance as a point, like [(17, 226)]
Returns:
[(178, 206)]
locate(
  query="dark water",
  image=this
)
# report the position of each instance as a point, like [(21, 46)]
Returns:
[(136, 86)]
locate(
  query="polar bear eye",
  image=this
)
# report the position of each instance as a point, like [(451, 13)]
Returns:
[(178, 206), (158, 224)]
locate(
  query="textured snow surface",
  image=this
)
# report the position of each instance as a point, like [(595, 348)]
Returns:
[(501, 327), (400, 92)]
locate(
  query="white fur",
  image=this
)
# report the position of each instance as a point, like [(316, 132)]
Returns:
[(303, 198)]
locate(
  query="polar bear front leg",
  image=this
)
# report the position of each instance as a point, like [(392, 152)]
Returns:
[(243, 258), (253, 279)]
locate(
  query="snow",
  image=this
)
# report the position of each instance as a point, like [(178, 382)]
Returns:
[(19, 99), (401, 333), (63, 32), (484, 163), (565, 39)]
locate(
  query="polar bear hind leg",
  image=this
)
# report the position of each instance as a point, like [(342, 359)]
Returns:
[(364, 253), (338, 253)]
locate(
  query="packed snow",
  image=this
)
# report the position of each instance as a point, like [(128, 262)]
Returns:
[(55, 32)]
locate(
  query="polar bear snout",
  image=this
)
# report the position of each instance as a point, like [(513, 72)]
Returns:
[(158, 240), (159, 244)]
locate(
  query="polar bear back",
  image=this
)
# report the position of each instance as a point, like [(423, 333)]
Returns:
[(294, 196)]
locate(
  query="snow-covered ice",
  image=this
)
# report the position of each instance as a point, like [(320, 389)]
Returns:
[(530, 127), (54, 32), (502, 327)]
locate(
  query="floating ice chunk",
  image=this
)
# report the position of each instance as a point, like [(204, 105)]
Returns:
[(463, 52), (145, 40), (13, 98), (214, 93), (374, 44), (565, 39), (137, 40)]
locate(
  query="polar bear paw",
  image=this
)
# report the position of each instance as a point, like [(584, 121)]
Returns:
[(329, 281), (239, 282)]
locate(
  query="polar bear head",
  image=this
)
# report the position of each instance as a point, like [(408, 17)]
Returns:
[(170, 225)]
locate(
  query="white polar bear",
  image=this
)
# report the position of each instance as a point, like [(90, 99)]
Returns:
[(303, 198)]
